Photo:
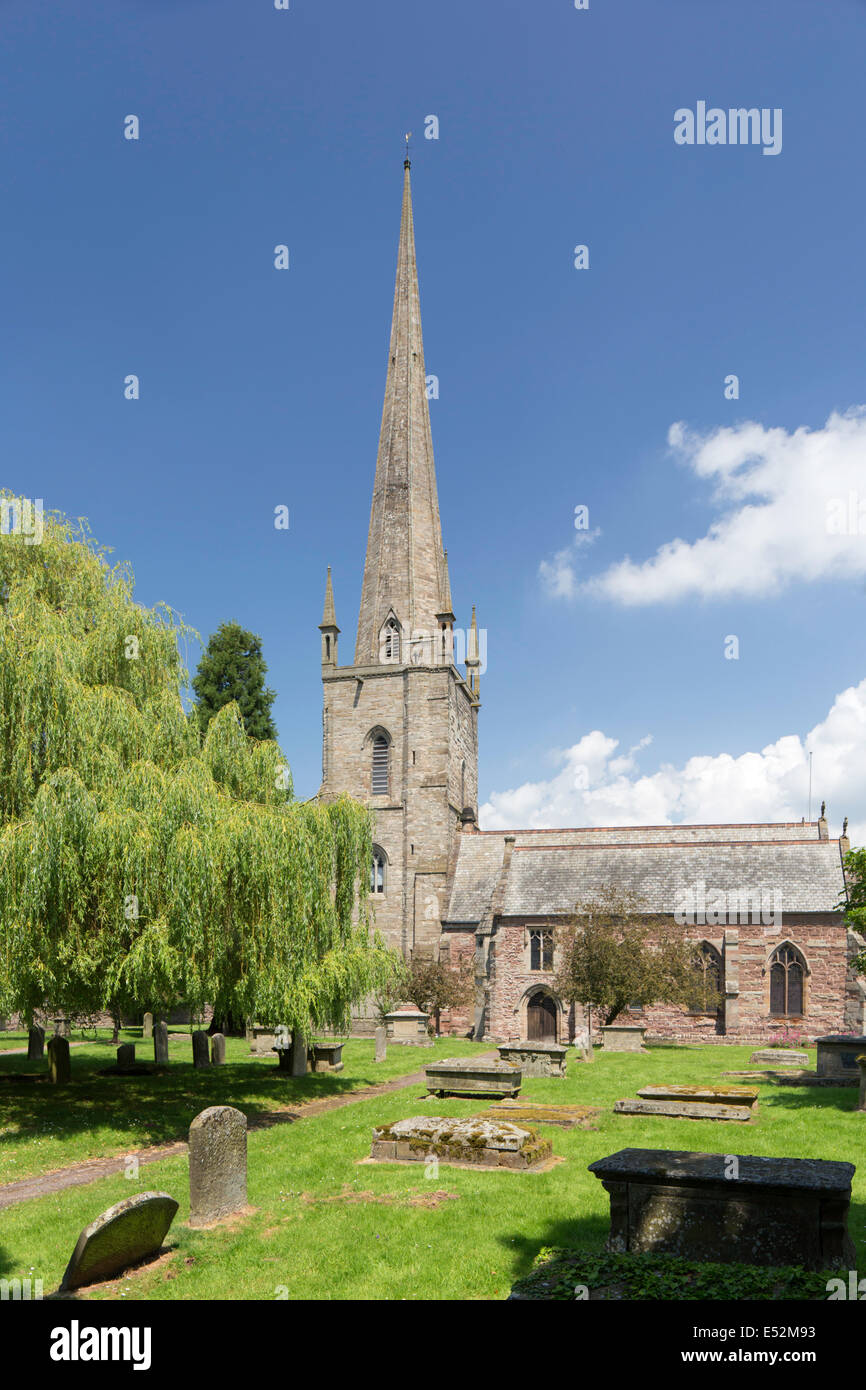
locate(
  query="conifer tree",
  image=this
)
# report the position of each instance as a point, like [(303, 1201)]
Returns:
[(232, 668)]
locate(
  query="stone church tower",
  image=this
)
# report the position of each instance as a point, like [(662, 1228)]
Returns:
[(400, 725)]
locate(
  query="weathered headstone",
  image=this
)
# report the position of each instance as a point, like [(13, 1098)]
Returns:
[(59, 1069), (299, 1055), (147, 1027), (126, 1055), (861, 1099), (218, 1050), (160, 1043), (381, 1045), (120, 1237), (62, 1027), (200, 1055), (35, 1043), (217, 1164)]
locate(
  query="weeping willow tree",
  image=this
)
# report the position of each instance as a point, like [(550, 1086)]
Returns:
[(141, 862)]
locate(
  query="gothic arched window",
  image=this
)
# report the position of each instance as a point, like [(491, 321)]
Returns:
[(381, 761), (377, 870), (708, 979), (787, 974), (389, 644)]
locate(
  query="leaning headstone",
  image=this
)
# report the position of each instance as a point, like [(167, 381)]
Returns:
[(381, 1045), (35, 1043), (218, 1050), (217, 1164), (120, 1237), (200, 1056), (147, 1029), (59, 1069), (299, 1055), (126, 1055), (160, 1043)]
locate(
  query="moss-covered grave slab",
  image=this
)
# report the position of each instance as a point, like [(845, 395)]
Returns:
[(481, 1142), (693, 1102), (535, 1112)]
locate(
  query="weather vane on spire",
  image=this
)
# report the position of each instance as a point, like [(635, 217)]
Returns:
[(408, 138)]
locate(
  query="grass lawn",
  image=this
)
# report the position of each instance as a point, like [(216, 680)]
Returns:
[(325, 1227), (45, 1127)]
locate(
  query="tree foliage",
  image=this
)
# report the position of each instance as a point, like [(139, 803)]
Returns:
[(232, 668), (855, 905), (433, 985), (140, 862), (615, 953)]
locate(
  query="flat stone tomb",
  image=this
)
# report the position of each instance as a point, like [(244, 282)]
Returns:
[(326, 1057), (261, 1039), (457, 1076), (532, 1112), (780, 1057), (408, 1026), (126, 1233), (535, 1058), (694, 1102), (483, 1143), (731, 1208), (623, 1037), (837, 1057)]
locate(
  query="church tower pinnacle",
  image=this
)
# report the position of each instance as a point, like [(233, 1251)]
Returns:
[(404, 600)]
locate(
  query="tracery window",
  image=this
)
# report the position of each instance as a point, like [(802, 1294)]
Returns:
[(787, 974)]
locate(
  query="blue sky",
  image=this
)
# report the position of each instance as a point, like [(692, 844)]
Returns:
[(558, 386)]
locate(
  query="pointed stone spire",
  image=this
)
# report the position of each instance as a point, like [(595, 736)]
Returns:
[(329, 617), (328, 626), (446, 614), (473, 660), (404, 572)]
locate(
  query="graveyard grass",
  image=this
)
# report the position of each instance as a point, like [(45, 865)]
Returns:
[(324, 1226)]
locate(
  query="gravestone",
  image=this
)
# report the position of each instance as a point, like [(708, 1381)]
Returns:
[(583, 1045), (217, 1164), (160, 1043), (861, 1099), (147, 1027), (59, 1069), (62, 1028), (299, 1055), (200, 1054), (218, 1050), (126, 1055), (837, 1057), (35, 1043), (381, 1045), (120, 1237)]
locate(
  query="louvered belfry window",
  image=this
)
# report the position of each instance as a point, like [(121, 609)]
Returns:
[(380, 765)]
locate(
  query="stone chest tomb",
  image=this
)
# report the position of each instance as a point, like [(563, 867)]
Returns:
[(482, 1142), (728, 1207)]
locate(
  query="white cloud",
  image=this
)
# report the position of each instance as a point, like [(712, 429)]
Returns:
[(559, 575), (793, 508), (594, 786)]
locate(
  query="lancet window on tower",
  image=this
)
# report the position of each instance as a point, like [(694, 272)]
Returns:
[(389, 641), (377, 871)]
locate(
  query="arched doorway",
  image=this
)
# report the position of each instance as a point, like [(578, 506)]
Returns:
[(541, 1018)]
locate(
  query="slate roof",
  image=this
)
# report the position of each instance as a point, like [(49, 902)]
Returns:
[(552, 870)]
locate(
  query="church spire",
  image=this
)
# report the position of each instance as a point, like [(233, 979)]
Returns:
[(404, 572)]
